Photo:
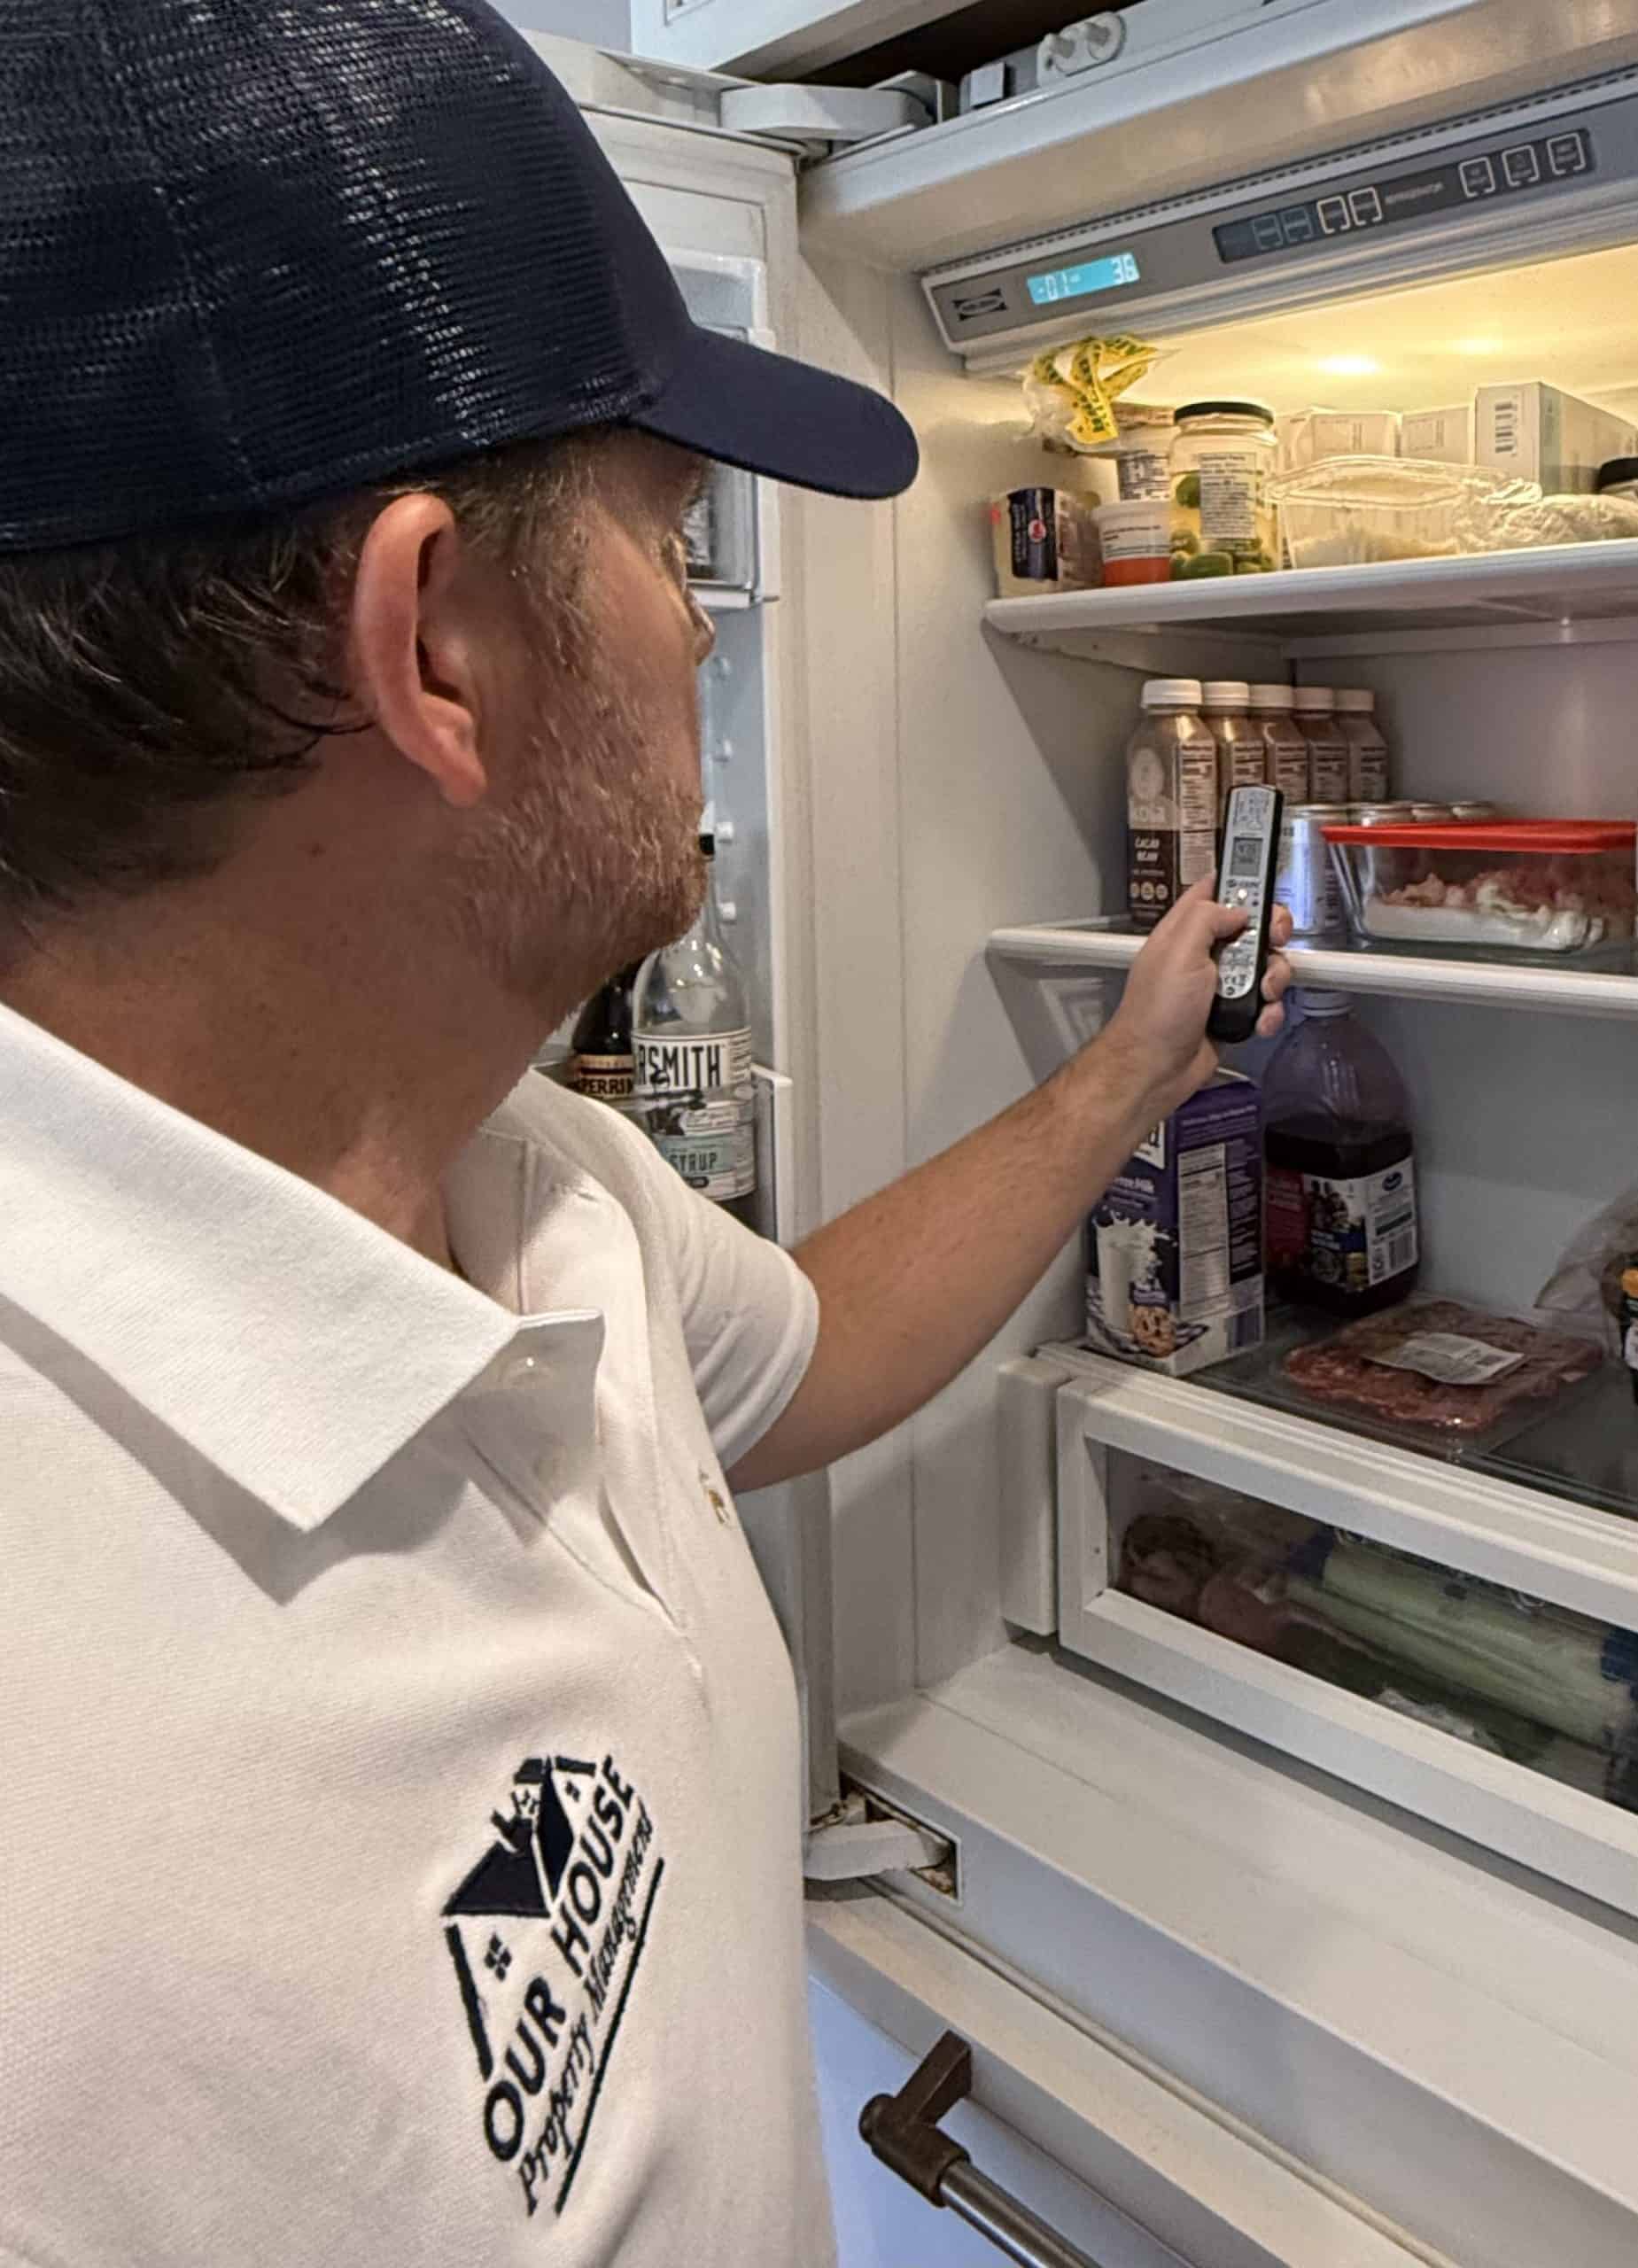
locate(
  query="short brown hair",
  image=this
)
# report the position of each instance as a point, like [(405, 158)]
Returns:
[(145, 685)]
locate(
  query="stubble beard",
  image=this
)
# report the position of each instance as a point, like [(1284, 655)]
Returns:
[(593, 862)]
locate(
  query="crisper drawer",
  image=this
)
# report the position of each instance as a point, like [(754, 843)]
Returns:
[(1457, 1645)]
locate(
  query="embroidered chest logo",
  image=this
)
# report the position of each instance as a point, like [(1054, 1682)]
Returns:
[(545, 1936)]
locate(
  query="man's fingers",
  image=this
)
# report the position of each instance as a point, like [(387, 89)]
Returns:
[(1271, 1022), (1279, 928), (1223, 921), (1276, 977)]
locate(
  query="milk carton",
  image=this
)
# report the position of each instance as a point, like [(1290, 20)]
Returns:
[(1175, 1248)]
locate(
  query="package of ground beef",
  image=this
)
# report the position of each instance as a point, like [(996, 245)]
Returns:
[(1437, 1367)]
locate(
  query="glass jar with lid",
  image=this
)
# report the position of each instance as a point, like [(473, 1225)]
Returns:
[(1222, 460)]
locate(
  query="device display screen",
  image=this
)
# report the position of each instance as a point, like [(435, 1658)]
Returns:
[(1080, 282)]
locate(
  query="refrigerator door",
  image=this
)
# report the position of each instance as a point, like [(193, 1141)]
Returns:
[(726, 212)]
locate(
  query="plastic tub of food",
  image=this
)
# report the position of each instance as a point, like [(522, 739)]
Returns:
[(1538, 886), (1135, 541), (1347, 511)]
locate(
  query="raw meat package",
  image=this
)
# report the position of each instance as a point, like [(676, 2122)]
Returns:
[(1175, 1250), (1436, 1367)]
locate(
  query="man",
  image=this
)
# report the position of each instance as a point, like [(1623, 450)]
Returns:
[(397, 1862)]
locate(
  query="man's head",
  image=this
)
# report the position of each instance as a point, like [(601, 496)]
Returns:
[(350, 411), (491, 669)]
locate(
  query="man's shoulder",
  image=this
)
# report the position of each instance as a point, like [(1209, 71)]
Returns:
[(572, 1128)]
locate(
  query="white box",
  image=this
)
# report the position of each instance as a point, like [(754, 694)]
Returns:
[(1438, 436), (1306, 435), (1532, 431)]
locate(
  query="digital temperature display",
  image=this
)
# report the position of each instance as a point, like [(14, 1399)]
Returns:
[(1463, 183), (1079, 283)]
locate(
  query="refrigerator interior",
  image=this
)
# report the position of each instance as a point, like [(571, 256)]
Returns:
[(966, 782), (1010, 793)]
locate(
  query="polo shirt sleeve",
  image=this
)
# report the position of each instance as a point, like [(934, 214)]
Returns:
[(749, 1316)]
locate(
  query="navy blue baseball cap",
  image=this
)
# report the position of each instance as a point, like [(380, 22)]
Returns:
[(253, 255)]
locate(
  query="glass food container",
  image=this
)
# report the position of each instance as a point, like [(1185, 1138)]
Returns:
[(1222, 465), (1548, 888)]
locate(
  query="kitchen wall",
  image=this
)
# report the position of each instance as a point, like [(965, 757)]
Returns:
[(606, 23)]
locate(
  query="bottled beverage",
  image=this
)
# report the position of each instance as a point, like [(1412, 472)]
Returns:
[(1226, 707), (1284, 751), (1171, 799), (1368, 751), (695, 1096), (1315, 706), (602, 1064), (1339, 1185)]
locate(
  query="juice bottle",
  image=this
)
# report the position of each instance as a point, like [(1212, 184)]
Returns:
[(1340, 1182)]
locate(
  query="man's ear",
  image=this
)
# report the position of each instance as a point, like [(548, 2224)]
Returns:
[(414, 661)]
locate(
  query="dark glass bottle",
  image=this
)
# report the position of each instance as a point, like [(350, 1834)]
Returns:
[(603, 1063)]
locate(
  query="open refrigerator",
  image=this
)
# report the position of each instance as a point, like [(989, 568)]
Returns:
[(1253, 1968)]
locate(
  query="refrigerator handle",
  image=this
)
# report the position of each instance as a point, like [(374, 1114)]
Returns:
[(902, 2131)]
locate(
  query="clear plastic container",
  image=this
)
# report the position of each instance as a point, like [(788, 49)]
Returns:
[(1350, 511), (1339, 1185), (1533, 886)]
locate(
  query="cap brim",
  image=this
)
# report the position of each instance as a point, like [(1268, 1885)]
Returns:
[(768, 414)]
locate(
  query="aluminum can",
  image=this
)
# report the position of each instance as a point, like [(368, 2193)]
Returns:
[(1306, 884)]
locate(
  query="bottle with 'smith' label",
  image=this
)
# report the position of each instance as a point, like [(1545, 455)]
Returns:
[(695, 1097)]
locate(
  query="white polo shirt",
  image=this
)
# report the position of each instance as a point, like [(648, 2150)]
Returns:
[(399, 1796)]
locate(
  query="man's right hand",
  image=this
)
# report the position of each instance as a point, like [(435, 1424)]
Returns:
[(1157, 1036)]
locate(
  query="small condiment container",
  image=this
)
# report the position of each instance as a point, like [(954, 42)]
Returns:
[(1476, 810), (1135, 541), (1433, 814)]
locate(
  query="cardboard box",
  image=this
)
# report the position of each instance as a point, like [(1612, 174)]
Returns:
[(1175, 1248), (1531, 430), (1307, 435), (1438, 436)]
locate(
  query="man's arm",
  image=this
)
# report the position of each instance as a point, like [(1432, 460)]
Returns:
[(914, 1281)]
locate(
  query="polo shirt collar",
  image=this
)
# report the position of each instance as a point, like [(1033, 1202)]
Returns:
[(291, 1342)]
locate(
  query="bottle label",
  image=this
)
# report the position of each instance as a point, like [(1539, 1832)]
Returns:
[(1449, 1359), (698, 1105), (1232, 484), (1368, 770), (1288, 767), (1350, 1235), (606, 1078), (1328, 768)]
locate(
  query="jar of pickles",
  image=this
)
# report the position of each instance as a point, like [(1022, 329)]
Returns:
[(1224, 518)]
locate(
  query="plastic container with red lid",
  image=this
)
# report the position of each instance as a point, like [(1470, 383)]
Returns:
[(1540, 888)]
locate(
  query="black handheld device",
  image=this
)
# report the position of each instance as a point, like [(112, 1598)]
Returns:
[(1251, 848)]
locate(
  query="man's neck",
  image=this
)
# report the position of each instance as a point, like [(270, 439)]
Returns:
[(364, 1070)]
